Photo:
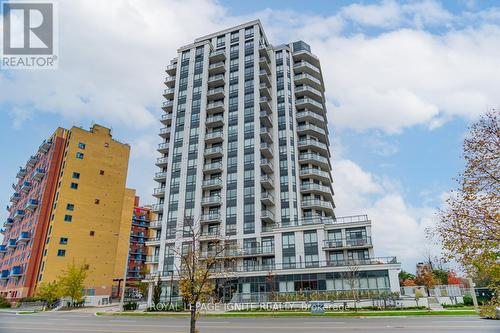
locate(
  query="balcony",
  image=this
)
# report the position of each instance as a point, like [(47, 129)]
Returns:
[(166, 119), (313, 145), (267, 182), (168, 106), (308, 79), (212, 200), (3, 249), (315, 174), (266, 165), (210, 235), (265, 119), (264, 90), (32, 161), (4, 275), (216, 81), (15, 197), (306, 67), (333, 244), (45, 146), (38, 174), (267, 216), (215, 107), (153, 241), (316, 189), (317, 204), (264, 78), (266, 149), (171, 69), (165, 132), (264, 64), (9, 222), (213, 152), (214, 167), (266, 135), (169, 93), (210, 218), (267, 198), (310, 116), (304, 55), (19, 214), (314, 159), (307, 91), (159, 192), (25, 187), (265, 104), (157, 208), (358, 242), (164, 147), (21, 173), (217, 68), (24, 237), (215, 94), (170, 81), (214, 137), (16, 271), (31, 204), (160, 176), (309, 103), (215, 120), (212, 184), (263, 51), (216, 56), (12, 243), (161, 162), (152, 259), (155, 224)]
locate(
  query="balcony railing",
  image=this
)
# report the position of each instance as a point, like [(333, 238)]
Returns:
[(210, 218), (316, 203), (211, 200), (159, 191), (323, 220), (160, 176), (212, 167), (215, 182), (25, 187), (315, 172), (214, 151), (19, 214), (161, 161), (31, 204), (23, 237), (38, 174), (157, 208), (15, 197), (33, 160), (347, 243), (21, 173)]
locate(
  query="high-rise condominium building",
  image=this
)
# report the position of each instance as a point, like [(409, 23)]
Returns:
[(246, 155), (69, 205)]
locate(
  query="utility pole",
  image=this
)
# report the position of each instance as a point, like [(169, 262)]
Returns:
[(472, 291)]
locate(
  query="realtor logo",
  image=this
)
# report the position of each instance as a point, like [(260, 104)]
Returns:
[(29, 35)]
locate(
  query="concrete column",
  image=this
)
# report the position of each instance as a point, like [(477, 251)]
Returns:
[(150, 294)]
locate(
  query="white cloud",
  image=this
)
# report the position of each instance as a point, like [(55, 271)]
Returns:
[(397, 227)]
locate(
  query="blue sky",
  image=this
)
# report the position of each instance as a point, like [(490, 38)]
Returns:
[(403, 79)]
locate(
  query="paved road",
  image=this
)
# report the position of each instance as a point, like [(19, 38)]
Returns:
[(85, 323)]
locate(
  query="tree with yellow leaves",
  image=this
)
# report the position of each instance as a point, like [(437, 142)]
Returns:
[(469, 226)]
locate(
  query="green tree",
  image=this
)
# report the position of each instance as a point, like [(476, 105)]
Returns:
[(440, 276), (156, 299), (72, 282), (403, 275), (50, 292)]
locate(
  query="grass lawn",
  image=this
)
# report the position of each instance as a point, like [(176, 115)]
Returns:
[(303, 314)]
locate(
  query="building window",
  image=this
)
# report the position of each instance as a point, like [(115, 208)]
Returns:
[(92, 233), (79, 155), (96, 201), (63, 241), (76, 175), (70, 207), (61, 253), (101, 172), (81, 145), (74, 186), (68, 218)]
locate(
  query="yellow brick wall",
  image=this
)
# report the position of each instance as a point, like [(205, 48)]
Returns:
[(125, 228), (106, 219)]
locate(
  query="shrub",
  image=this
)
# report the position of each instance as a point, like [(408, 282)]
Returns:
[(468, 300), (4, 303), (130, 306), (489, 310)]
